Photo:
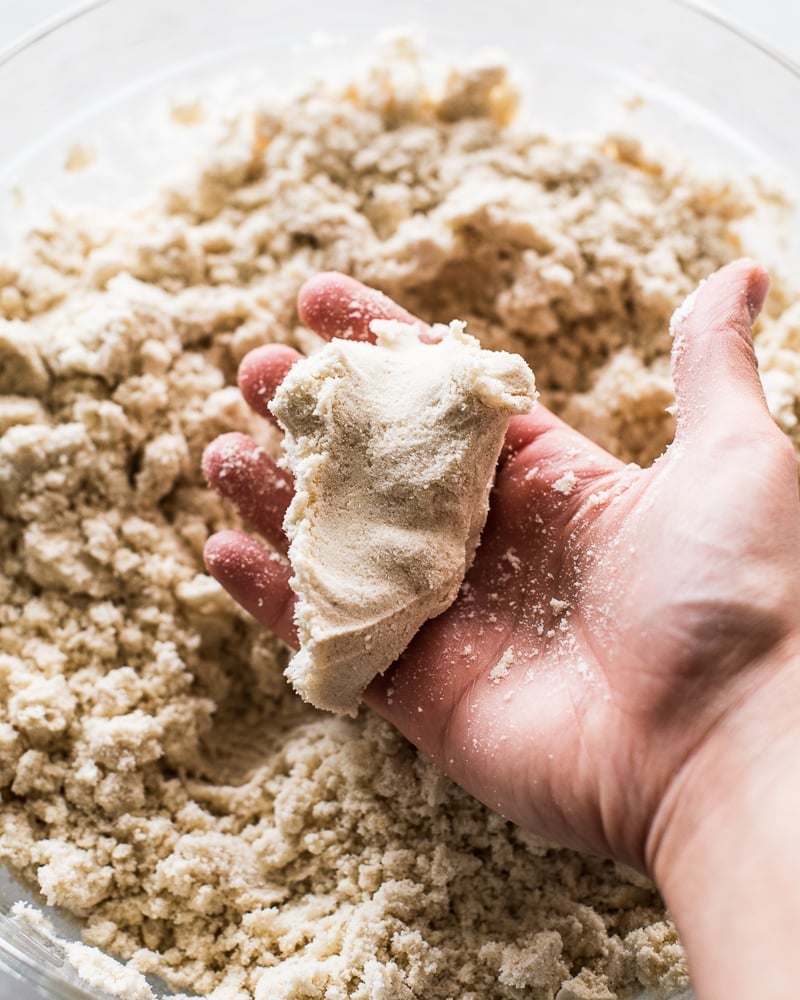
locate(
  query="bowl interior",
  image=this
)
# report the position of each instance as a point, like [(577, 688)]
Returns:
[(104, 78)]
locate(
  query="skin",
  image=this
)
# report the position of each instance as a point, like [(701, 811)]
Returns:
[(648, 619)]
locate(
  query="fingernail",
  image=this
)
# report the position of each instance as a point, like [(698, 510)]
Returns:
[(756, 293)]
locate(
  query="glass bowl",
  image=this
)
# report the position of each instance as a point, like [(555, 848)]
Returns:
[(694, 84)]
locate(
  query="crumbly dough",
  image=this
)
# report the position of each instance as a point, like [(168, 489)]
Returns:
[(160, 779), (392, 447)]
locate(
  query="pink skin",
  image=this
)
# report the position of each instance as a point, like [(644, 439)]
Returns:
[(680, 584)]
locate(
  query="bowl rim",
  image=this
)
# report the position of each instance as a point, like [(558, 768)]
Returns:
[(78, 10), (736, 28)]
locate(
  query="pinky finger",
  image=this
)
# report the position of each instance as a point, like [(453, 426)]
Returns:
[(256, 578), (242, 472)]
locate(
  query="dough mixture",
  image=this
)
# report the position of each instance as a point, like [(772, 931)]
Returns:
[(393, 448), (160, 779)]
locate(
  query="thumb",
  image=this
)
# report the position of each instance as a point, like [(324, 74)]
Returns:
[(714, 365)]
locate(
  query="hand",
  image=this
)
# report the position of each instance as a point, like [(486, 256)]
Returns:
[(614, 618)]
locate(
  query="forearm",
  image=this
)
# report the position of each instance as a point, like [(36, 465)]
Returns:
[(727, 857)]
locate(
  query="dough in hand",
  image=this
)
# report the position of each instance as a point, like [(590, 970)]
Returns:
[(393, 448)]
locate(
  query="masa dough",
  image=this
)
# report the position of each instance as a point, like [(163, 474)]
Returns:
[(159, 779), (393, 448)]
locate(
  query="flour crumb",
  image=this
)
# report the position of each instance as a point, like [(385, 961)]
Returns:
[(79, 157), (566, 483), (188, 112), (502, 667), (684, 310)]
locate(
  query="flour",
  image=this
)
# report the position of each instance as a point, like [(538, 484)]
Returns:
[(393, 448), (565, 484), (160, 779), (503, 666)]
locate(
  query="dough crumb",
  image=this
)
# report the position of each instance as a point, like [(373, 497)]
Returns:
[(503, 665), (79, 157)]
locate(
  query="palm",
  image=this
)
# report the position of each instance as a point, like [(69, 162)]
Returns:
[(555, 687), (499, 689), (589, 613)]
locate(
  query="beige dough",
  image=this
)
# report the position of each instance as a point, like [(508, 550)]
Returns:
[(393, 447)]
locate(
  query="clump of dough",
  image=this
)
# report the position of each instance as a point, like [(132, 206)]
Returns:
[(393, 448)]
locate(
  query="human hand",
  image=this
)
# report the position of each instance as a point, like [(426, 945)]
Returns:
[(615, 618)]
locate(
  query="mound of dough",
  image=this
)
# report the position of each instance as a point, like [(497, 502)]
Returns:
[(393, 448)]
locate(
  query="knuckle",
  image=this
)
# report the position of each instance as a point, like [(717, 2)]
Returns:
[(770, 450), (784, 453)]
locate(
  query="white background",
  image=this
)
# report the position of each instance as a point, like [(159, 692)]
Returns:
[(774, 22)]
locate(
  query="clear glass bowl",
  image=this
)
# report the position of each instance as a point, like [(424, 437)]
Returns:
[(716, 96)]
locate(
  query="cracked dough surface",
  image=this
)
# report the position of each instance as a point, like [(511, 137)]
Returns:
[(393, 448)]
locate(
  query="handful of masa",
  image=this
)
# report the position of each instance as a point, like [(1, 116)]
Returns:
[(393, 448)]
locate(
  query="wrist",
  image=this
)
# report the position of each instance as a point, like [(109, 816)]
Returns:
[(722, 847)]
